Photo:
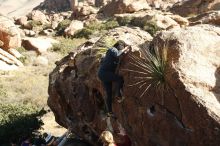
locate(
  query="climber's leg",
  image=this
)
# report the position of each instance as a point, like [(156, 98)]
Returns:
[(108, 99)]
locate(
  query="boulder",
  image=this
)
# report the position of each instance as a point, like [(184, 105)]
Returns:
[(84, 10), (40, 45), (9, 59), (6, 67), (170, 100), (99, 3), (29, 33), (55, 5), (212, 17), (194, 7), (21, 20), (162, 4), (73, 27), (9, 33), (38, 16), (124, 6)]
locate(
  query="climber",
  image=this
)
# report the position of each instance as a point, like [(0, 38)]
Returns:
[(107, 73), (108, 140)]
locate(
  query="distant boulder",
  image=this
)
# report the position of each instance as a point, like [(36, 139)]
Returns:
[(124, 6), (194, 7), (9, 33)]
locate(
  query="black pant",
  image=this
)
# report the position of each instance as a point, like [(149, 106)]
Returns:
[(107, 78)]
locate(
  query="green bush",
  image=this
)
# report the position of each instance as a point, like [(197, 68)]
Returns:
[(96, 27), (62, 26), (18, 121), (151, 28), (124, 21), (84, 33), (66, 45)]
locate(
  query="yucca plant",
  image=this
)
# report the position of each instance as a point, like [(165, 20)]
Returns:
[(151, 69)]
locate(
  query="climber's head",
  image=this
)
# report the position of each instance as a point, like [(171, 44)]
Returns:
[(120, 45), (107, 137)]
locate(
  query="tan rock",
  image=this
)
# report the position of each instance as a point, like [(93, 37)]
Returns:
[(40, 45), (9, 59), (15, 53), (73, 27), (124, 6), (21, 21), (39, 16), (212, 17), (176, 117), (194, 7), (6, 67), (29, 33), (9, 33)]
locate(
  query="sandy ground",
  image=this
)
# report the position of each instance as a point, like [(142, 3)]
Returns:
[(16, 8), (50, 125)]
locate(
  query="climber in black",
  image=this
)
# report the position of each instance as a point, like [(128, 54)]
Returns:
[(107, 73)]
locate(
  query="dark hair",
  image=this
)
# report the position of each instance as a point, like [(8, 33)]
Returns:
[(120, 45)]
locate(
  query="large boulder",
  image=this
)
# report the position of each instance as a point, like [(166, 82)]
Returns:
[(124, 6), (9, 33), (74, 26), (38, 16), (172, 99), (71, 110), (40, 45), (212, 17), (194, 7), (55, 5)]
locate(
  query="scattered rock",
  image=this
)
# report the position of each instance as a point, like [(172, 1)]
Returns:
[(21, 21), (9, 33), (29, 33), (212, 17), (194, 7), (123, 6), (40, 45), (73, 27), (47, 32), (39, 16)]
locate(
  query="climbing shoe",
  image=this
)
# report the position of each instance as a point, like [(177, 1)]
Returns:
[(120, 99)]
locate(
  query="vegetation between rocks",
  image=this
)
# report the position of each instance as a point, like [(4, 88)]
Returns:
[(18, 121)]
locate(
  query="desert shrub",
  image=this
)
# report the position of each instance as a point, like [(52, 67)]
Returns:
[(62, 26), (151, 28), (83, 33), (18, 121), (96, 27), (66, 45), (124, 21), (34, 23)]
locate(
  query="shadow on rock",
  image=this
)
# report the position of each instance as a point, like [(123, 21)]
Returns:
[(216, 89)]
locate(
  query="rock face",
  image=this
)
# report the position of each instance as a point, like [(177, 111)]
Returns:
[(55, 5), (179, 115), (73, 27), (191, 7), (40, 45), (212, 17), (124, 6), (9, 33)]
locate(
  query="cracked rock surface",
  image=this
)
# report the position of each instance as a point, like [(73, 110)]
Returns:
[(186, 114)]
